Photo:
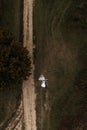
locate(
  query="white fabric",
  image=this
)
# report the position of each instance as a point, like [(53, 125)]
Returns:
[(44, 81), (43, 85), (41, 78)]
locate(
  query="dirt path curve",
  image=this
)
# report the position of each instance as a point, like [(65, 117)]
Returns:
[(29, 95)]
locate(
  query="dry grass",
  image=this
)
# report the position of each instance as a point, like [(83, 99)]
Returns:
[(59, 57), (11, 18)]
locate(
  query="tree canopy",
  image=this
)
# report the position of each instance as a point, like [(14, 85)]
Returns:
[(15, 62)]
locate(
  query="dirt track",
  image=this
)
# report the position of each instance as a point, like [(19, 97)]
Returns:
[(29, 95)]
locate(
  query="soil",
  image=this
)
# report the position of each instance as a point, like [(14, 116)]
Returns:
[(29, 95)]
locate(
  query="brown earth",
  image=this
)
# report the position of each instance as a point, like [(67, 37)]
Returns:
[(29, 95)]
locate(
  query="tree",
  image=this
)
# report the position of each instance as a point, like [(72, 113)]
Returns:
[(15, 62)]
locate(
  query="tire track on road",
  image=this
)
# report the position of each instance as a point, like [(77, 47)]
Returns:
[(29, 95)]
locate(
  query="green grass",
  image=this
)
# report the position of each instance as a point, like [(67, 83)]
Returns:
[(60, 54)]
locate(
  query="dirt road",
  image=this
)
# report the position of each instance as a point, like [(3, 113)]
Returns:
[(29, 95)]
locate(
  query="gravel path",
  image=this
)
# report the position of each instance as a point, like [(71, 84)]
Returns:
[(29, 95)]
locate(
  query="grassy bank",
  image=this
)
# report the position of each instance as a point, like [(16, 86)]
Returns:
[(60, 31)]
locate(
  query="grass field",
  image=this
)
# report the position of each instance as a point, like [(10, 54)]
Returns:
[(60, 29), (11, 18)]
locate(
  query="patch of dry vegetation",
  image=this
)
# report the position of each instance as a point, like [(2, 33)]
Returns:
[(60, 54)]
